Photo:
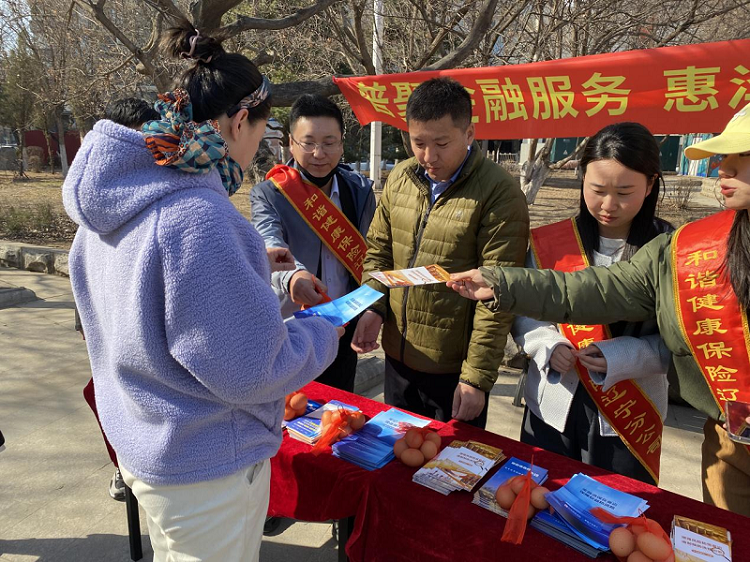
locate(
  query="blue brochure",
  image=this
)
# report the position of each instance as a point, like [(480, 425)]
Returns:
[(343, 309), (485, 496), (573, 503), (372, 446), (307, 428)]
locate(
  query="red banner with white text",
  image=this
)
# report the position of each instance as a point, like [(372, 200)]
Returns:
[(676, 90)]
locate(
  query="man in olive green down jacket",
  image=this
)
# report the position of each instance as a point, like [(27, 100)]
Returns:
[(449, 206)]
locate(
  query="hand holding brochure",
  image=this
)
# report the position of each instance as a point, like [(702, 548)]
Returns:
[(343, 309), (425, 275)]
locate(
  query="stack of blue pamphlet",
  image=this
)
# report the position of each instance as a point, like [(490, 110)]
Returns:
[(307, 428), (485, 496), (572, 522), (312, 405), (372, 446)]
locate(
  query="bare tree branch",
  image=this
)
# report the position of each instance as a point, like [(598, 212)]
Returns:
[(97, 9), (244, 23), (284, 95), (481, 25)]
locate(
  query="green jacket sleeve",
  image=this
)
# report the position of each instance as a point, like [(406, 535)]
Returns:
[(501, 241), (596, 295), (379, 250)]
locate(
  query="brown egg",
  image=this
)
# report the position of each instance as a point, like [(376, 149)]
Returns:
[(429, 450), (326, 417), (414, 438), (638, 556), (433, 438), (298, 402), (357, 420), (537, 498), (412, 457), (621, 542), (652, 546), (531, 512), (517, 484), (505, 496), (399, 447), (638, 528), (289, 414)]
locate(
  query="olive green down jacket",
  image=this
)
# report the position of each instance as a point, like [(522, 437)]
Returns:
[(634, 291), (481, 219)]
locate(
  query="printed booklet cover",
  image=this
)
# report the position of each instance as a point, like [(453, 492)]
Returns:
[(372, 446), (485, 496), (312, 405), (695, 541), (343, 309), (307, 428), (424, 275), (460, 466), (572, 521)]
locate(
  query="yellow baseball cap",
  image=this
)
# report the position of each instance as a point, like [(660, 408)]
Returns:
[(734, 139)]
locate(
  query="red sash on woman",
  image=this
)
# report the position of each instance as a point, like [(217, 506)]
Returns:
[(323, 217), (712, 320), (625, 406)]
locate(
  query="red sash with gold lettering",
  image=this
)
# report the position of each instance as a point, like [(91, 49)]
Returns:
[(625, 406), (323, 217), (712, 321)]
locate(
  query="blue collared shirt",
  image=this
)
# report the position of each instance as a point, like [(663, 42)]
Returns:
[(437, 188)]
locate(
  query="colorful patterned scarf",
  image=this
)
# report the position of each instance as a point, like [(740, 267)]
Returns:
[(197, 148)]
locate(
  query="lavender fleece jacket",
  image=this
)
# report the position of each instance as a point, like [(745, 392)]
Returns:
[(190, 357)]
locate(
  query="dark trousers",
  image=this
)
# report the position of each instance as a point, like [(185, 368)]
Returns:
[(426, 394), (582, 439), (340, 373)]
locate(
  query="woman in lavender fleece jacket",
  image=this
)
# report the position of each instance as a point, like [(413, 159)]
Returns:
[(188, 350)]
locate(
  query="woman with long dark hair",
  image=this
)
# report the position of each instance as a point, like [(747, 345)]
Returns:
[(188, 349), (572, 373), (695, 282)]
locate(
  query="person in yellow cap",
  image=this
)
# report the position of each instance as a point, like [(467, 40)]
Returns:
[(695, 282)]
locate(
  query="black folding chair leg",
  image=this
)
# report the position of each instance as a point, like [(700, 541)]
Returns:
[(346, 526), (134, 525), (520, 387)]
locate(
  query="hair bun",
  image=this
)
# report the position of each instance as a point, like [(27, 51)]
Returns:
[(184, 41)]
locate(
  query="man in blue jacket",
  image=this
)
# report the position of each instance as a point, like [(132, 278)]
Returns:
[(316, 128)]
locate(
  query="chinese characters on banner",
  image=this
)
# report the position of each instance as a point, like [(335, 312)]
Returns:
[(685, 89)]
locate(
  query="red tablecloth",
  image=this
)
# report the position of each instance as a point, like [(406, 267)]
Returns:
[(397, 519), (320, 488)]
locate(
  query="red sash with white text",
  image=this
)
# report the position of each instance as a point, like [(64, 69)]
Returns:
[(323, 217), (712, 320), (625, 406)]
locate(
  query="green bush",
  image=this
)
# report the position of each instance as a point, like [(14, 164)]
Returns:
[(16, 220), (44, 217)]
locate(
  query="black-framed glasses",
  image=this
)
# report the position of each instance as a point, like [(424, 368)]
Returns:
[(329, 147)]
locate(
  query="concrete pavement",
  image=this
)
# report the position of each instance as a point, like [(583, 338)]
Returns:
[(54, 473)]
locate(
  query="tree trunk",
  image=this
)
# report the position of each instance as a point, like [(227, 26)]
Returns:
[(61, 144), (50, 155), (535, 172), (20, 172)]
